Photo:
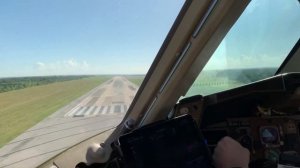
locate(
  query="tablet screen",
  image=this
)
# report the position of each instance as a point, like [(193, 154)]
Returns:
[(169, 144)]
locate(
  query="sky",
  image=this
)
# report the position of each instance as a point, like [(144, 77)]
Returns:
[(262, 36), (68, 37), (62, 37)]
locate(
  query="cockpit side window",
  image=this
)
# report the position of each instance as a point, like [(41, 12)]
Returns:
[(253, 49)]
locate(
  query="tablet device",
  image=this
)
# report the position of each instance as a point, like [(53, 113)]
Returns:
[(175, 143)]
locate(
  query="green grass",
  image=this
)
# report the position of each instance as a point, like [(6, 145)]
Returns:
[(206, 89), (213, 81), (21, 109), (136, 79), (15, 83)]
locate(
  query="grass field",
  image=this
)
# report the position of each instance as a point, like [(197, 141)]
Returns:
[(136, 79), (9, 84), (213, 81), (21, 109)]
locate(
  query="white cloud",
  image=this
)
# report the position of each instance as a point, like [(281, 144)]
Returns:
[(63, 67), (79, 67), (40, 65), (243, 61), (222, 59), (71, 63)]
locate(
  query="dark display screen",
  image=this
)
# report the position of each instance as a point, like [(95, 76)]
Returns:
[(269, 135), (171, 144), (214, 136)]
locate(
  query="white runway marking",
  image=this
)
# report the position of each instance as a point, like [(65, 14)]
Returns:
[(109, 110), (96, 111), (103, 110), (80, 112), (113, 97), (87, 113), (125, 108), (93, 110), (71, 112)]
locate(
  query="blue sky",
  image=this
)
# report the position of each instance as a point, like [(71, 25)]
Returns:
[(61, 37), (56, 37)]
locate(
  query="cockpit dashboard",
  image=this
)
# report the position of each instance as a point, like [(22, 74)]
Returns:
[(263, 116)]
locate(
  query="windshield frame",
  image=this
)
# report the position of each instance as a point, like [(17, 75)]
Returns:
[(294, 56)]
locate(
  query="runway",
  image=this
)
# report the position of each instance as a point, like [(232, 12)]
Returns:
[(99, 110)]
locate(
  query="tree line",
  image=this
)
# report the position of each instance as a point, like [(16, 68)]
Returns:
[(9, 84)]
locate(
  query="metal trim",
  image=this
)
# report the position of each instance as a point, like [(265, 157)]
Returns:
[(186, 48), (203, 20)]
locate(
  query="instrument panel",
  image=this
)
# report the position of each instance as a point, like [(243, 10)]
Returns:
[(265, 138), (263, 116)]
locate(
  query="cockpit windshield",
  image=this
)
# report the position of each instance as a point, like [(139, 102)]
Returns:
[(70, 69), (253, 49)]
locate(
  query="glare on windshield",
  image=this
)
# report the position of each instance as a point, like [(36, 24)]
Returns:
[(253, 49)]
